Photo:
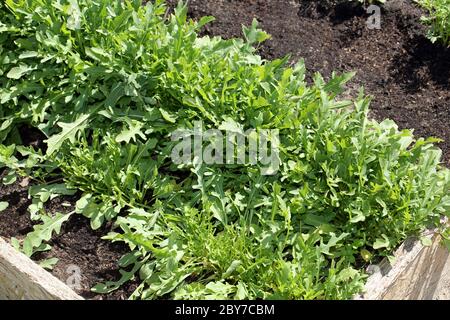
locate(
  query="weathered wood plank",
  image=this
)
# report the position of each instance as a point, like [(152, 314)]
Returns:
[(419, 273), (21, 278)]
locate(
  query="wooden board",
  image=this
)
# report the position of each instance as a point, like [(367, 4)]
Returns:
[(21, 278), (418, 273)]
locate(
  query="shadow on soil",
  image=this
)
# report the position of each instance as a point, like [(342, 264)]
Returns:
[(422, 62)]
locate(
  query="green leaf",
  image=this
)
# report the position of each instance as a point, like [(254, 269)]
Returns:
[(446, 243), (167, 116), (129, 259), (18, 72), (111, 286), (15, 243), (392, 259), (10, 178), (43, 232), (6, 123), (28, 54), (48, 263), (347, 274), (315, 220), (333, 242), (426, 241), (114, 95), (232, 268), (97, 54), (357, 216), (242, 292), (255, 35), (49, 192), (381, 242), (366, 255), (205, 20), (69, 131), (134, 129), (3, 206), (88, 207)]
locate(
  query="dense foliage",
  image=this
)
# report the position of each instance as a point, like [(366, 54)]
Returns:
[(107, 82), (438, 18)]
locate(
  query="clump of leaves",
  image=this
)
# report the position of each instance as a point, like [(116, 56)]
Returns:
[(108, 82), (438, 18)]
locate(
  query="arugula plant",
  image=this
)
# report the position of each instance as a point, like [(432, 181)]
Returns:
[(438, 18), (108, 82)]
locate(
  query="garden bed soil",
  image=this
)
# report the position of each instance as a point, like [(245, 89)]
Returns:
[(78, 247), (408, 77)]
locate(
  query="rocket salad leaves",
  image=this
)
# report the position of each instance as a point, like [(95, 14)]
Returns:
[(107, 82), (438, 18)]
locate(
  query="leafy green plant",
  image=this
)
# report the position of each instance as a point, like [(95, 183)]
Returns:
[(438, 18), (35, 241), (3, 205), (108, 82), (43, 232)]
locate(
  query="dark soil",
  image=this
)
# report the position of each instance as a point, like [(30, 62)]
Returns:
[(78, 247), (406, 74)]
